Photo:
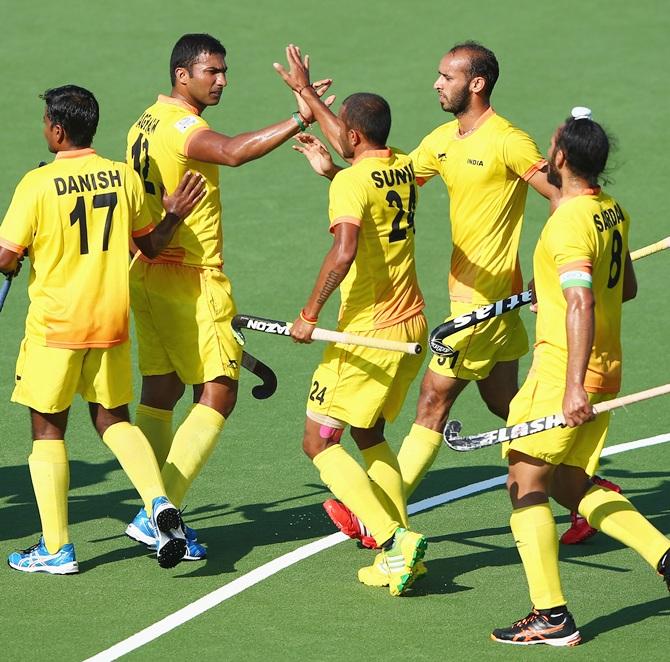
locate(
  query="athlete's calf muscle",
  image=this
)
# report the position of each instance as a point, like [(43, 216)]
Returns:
[(438, 394)]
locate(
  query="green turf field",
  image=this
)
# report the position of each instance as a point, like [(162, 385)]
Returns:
[(259, 497)]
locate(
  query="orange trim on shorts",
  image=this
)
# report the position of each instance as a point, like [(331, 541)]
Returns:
[(533, 169), (75, 153), (11, 246), (578, 265)]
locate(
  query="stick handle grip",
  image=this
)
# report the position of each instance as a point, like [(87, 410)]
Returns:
[(651, 249), (624, 400), (365, 341)]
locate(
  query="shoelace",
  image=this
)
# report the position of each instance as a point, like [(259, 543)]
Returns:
[(30, 549), (533, 616)]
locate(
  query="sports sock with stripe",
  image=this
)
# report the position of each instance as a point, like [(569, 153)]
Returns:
[(50, 474), (417, 453), (536, 538), (614, 515), (156, 425), (137, 460), (384, 471), (348, 481), (193, 443)]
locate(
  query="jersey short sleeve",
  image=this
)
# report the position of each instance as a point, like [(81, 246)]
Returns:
[(20, 223), (183, 129), (569, 243), (520, 153), (425, 161), (347, 198), (141, 221)]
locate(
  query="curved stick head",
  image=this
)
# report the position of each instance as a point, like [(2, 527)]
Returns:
[(452, 431), (437, 346)]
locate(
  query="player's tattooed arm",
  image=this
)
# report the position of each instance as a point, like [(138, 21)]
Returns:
[(334, 269)]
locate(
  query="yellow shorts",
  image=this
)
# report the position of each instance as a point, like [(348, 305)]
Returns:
[(47, 378), (577, 447), (182, 320), (357, 385), (477, 349)]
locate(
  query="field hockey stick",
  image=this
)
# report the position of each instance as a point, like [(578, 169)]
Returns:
[(262, 371), (4, 290), (651, 249), (279, 328), (442, 331), (511, 432)]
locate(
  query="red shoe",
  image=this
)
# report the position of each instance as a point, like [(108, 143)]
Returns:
[(580, 530), (348, 523)]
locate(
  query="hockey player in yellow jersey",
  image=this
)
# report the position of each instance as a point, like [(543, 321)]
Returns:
[(181, 298), (73, 218), (583, 273), (487, 164)]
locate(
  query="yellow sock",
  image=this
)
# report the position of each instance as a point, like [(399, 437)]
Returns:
[(614, 515), (50, 473), (347, 480), (535, 535), (193, 443), (156, 425), (137, 459), (417, 453), (383, 470)]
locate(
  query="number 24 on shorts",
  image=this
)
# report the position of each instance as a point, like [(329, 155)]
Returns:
[(317, 394)]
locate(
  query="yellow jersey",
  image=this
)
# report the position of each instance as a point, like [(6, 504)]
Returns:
[(75, 216), (585, 235), (486, 173), (157, 147), (379, 194)]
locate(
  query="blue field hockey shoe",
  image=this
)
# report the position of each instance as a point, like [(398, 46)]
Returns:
[(141, 529), (170, 537), (38, 559)]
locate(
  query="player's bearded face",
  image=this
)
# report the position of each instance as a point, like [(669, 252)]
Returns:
[(456, 101), (553, 174)]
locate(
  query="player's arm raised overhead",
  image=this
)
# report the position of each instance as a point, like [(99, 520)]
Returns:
[(335, 267), (177, 206), (297, 78)]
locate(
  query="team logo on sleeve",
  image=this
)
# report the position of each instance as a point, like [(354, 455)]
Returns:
[(183, 124)]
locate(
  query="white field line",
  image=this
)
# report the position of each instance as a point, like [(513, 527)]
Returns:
[(273, 567)]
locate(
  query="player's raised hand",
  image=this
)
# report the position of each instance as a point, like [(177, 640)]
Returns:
[(297, 76), (186, 196), (316, 154)]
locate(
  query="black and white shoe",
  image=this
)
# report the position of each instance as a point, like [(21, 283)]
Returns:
[(170, 536), (663, 568), (541, 628)]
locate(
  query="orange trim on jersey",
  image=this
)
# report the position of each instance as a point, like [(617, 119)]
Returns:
[(163, 98), (373, 154), (533, 169), (421, 181), (345, 219), (74, 153), (11, 246), (591, 191), (480, 120), (577, 265), (147, 229), (190, 136)]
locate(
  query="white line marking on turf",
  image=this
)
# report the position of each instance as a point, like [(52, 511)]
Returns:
[(273, 567)]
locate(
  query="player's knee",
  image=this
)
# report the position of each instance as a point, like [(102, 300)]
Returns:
[(500, 409), (312, 445)]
